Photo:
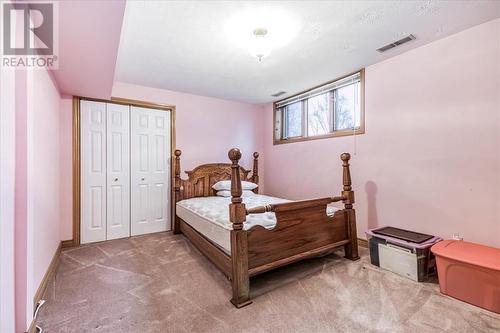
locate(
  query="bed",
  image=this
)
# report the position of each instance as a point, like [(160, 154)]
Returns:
[(246, 235)]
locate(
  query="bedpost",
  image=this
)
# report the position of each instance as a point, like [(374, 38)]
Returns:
[(240, 278), (255, 172), (347, 192), (177, 188), (237, 213), (351, 248)]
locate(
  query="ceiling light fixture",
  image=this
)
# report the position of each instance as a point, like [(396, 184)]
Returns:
[(260, 46), (262, 28)]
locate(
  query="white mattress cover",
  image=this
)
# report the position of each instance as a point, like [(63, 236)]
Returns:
[(210, 216)]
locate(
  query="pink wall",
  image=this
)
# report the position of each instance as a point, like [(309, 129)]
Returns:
[(37, 205), (7, 199), (206, 128), (20, 201), (430, 158), (66, 167), (45, 176), (88, 46)]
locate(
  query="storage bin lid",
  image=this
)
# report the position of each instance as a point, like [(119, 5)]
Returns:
[(474, 254), (422, 246)]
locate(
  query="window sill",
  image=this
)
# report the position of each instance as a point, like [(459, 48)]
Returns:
[(319, 137)]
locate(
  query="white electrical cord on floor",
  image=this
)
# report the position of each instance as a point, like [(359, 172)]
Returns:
[(39, 305)]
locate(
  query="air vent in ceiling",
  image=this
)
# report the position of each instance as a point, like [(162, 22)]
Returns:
[(279, 93), (396, 43)]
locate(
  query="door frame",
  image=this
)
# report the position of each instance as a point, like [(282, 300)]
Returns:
[(76, 155)]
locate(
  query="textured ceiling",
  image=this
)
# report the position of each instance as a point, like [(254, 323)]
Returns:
[(183, 45)]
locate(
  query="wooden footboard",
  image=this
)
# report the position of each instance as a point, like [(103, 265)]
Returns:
[(300, 232), (303, 229)]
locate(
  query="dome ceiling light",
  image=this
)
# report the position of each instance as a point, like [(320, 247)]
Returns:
[(260, 46), (261, 29)]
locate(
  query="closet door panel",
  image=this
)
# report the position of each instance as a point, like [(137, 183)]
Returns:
[(93, 171), (118, 175), (160, 159), (139, 165), (150, 170), (142, 207)]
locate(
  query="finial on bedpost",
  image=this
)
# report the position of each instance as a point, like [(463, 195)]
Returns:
[(237, 211), (347, 192), (255, 172)]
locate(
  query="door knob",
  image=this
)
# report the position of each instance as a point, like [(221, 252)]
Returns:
[(116, 179), (143, 179)]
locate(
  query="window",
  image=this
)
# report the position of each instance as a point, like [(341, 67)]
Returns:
[(318, 116), (333, 109), (293, 120)]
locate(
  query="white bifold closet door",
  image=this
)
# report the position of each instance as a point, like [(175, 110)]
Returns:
[(118, 171), (105, 171), (93, 171), (125, 171), (150, 170)]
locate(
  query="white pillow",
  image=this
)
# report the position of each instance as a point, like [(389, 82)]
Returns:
[(225, 185), (226, 193)]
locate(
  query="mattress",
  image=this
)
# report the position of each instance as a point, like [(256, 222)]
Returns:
[(210, 216)]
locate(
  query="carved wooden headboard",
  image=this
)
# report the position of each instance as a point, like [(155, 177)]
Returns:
[(201, 178)]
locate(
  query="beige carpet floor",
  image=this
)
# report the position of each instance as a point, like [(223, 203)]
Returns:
[(161, 283)]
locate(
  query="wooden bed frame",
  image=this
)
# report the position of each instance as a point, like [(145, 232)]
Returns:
[(303, 228)]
